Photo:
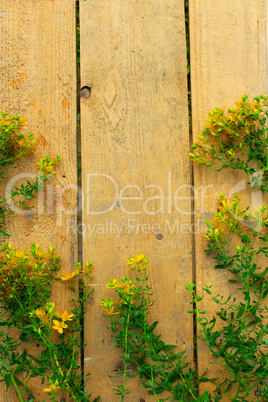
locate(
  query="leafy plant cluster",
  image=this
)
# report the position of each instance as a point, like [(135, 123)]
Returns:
[(26, 290), (238, 239), (158, 366), (237, 140), (14, 144), (28, 317), (237, 334)]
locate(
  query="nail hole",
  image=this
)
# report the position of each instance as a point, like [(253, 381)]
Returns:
[(63, 176), (85, 92), (159, 236), (119, 365)]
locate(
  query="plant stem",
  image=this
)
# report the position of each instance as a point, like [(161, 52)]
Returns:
[(16, 387), (126, 352), (12, 379), (144, 305)]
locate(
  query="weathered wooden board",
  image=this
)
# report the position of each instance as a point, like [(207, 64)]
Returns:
[(135, 143), (38, 81), (227, 47)]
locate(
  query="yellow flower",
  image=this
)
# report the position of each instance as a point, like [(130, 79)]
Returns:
[(110, 311), (65, 316), (46, 165), (40, 314), (40, 253), (50, 307), (224, 203), (108, 306), (255, 104), (52, 387), (59, 326), (21, 254), (136, 259), (71, 275), (49, 169), (23, 121), (208, 236), (88, 269), (114, 283), (128, 288), (22, 142)]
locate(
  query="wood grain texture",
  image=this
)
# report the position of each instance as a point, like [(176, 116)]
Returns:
[(227, 47), (135, 133), (38, 81)]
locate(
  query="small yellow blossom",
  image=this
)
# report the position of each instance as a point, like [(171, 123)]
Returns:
[(88, 269), (23, 121), (108, 306), (208, 236), (46, 165), (40, 314), (50, 307), (128, 288), (136, 259), (71, 275), (111, 311), (21, 254), (114, 283), (52, 387), (65, 316), (22, 142), (59, 326)]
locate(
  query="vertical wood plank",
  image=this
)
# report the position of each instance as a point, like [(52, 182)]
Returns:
[(227, 46), (38, 81), (135, 142)]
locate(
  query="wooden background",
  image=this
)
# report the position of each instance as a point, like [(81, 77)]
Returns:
[(139, 191)]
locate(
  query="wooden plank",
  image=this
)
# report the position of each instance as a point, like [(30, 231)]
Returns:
[(38, 81), (227, 46), (135, 133)]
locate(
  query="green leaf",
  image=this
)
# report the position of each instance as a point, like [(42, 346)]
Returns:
[(152, 385), (7, 380), (265, 341), (153, 326), (215, 300), (132, 375), (205, 397), (168, 347)]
